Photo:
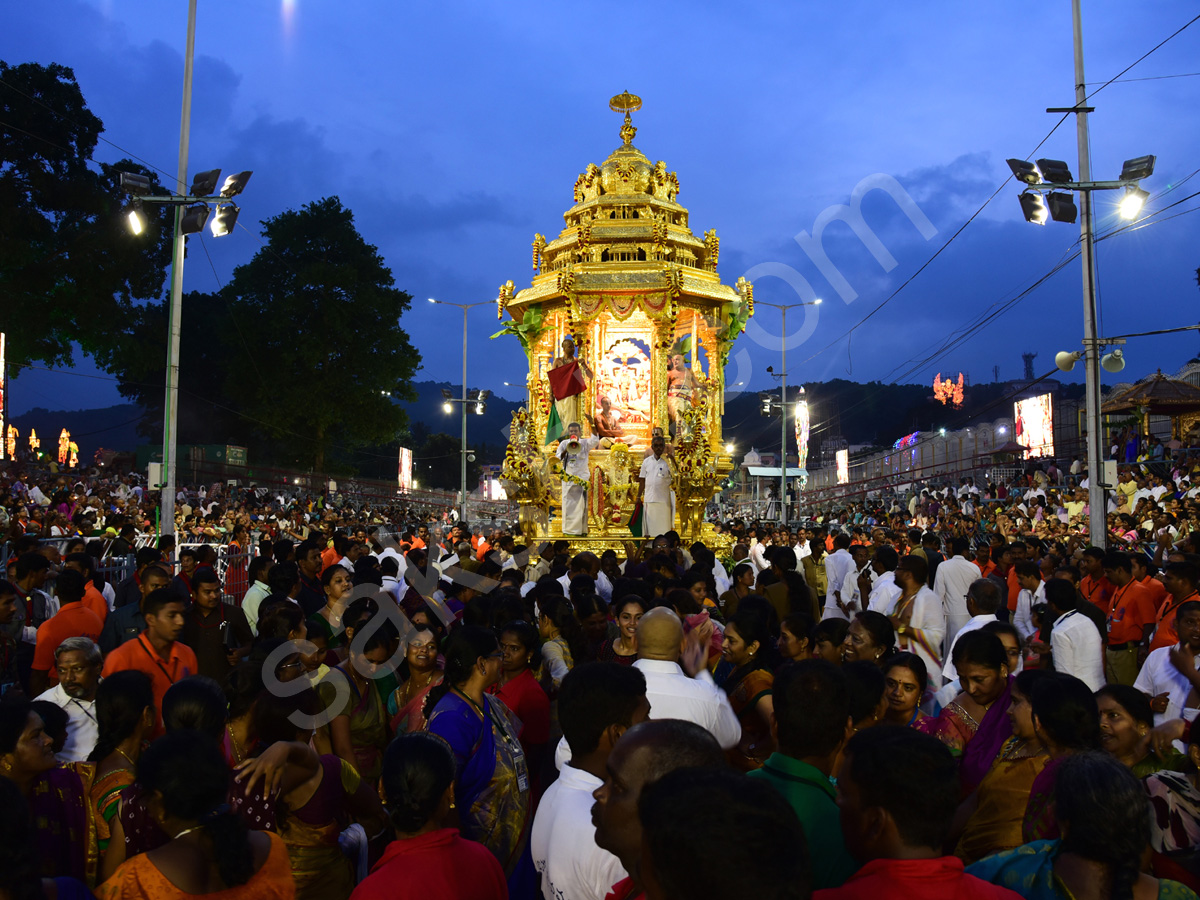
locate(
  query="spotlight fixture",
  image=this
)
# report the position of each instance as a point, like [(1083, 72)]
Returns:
[(1034, 208), (135, 217), (194, 218), (1024, 171), (765, 402), (1133, 201), (1138, 168), (224, 219), (138, 185), (1062, 206), (204, 183), (1055, 171), (447, 408), (235, 184)]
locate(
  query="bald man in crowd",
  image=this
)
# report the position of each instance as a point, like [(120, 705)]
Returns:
[(678, 685)]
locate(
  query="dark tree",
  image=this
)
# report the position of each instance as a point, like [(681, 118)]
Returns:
[(69, 267), (320, 311)]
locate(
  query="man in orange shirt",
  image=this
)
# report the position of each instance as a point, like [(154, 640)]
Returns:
[(1143, 573), (1180, 579), (1130, 620), (157, 651), (332, 555), (73, 619), (92, 598), (1096, 589), (421, 541)]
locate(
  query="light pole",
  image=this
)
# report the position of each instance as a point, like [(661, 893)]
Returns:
[(462, 515), (1052, 177), (783, 416)]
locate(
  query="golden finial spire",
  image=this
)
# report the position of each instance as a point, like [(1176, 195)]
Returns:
[(626, 103)]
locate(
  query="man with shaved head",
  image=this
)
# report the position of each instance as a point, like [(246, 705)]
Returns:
[(640, 757), (684, 691)]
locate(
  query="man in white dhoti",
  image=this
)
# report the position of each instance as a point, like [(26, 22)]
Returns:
[(654, 490), (573, 452)]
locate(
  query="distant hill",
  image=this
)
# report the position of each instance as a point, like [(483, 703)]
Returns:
[(113, 427)]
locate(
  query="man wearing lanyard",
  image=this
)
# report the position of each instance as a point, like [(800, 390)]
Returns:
[(218, 633), (1130, 620), (157, 651), (78, 662), (1180, 581)]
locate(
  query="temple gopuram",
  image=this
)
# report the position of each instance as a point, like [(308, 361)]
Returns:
[(627, 328)]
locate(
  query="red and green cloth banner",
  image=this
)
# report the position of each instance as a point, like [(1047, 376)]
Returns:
[(565, 381), (554, 426), (635, 521)]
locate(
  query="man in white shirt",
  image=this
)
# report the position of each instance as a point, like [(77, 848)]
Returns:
[(885, 592), (917, 616), (587, 563), (78, 662), (597, 702), (951, 581), (258, 591), (983, 599), (1033, 592), (758, 552), (678, 694), (573, 452), (389, 568), (654, 490), (838, 566), (1169, 674), (1075, 643)]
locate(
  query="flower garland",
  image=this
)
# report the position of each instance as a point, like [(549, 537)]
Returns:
[(574, 479)]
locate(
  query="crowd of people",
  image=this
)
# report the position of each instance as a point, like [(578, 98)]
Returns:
[(882, 703)]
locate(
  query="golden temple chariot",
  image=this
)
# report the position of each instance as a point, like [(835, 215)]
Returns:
[(652, 326)]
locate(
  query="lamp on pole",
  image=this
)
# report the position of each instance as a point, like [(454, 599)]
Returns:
[(1053, 178), (462, 514), (783, 416)]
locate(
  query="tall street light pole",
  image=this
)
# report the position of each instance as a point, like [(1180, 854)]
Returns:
[(462, 514), (171, 400), (1097, 504), (783, 412)]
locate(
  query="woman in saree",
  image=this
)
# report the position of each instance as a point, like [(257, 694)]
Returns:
[(978, 715), (208, 850), (1105, 821), (319, 796), (357, 731), (1125, 720), (327, 622), (406, 705), (747, 649), (1067, 721), (1175, 819), (623, 648), (905, 681), (64, 832), (126, 717), (990, 818), (491, 785)]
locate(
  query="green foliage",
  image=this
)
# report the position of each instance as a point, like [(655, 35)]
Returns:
[(527, 331), (69, 268)]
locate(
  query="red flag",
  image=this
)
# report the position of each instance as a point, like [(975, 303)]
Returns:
[(566, 380)]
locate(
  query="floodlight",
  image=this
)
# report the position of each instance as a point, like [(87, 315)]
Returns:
[(1133, 201), (1137, 169), (132, 183), (480, 408), (1024, 171), (729, 449), (1034, 209), (204, 183), (224, 219), (765, 401), (1055, 171), (1066, 360), (194, 218), (1113, 362), (1062, 207), (137, 221), (235, 184), (447, 408), (446, 395)]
